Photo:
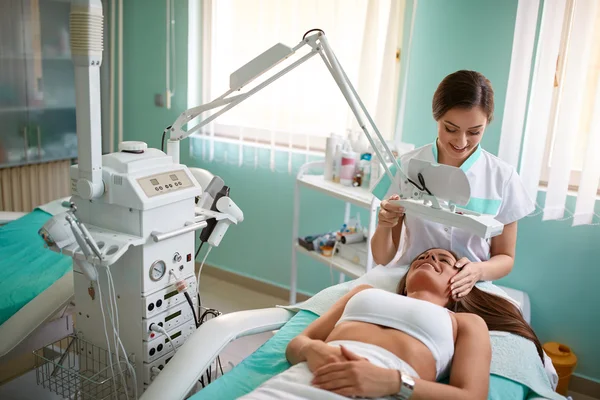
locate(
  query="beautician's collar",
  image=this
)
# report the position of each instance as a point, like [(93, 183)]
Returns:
[(467, 164)]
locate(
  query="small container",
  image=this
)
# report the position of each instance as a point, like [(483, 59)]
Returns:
[(564, 361), (348, 168), (326, 251), (337, 163), (365, 169)]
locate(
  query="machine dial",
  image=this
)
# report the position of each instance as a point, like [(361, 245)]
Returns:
[(157, 270), (177, 258)]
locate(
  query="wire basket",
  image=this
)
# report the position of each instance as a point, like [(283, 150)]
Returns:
[(76, 369)]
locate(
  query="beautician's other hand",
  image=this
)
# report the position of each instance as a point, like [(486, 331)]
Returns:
[(319, 353), (462, 283), (389, 214), (356, 377)]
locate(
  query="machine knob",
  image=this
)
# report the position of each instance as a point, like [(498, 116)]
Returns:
[(177, 258), (133, 147)]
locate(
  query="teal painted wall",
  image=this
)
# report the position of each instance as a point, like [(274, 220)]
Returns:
[(144, 69), (556, 264)]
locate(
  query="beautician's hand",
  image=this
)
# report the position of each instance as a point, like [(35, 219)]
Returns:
[(462, 283), (319, 353), (357, 377), (389, 214)]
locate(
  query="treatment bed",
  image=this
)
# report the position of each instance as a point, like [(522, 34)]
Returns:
[(36, 287), (180, 376)]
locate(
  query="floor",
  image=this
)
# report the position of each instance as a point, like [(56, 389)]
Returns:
[(218, 294)]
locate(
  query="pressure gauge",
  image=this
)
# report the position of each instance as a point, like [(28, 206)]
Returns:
[(157, 270)]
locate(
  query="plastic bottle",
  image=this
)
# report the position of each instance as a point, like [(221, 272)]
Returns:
[(330, 155), (348, 168), (337, 163), (365, 169)]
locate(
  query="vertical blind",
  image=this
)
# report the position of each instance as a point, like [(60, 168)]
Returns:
[(561, 136)]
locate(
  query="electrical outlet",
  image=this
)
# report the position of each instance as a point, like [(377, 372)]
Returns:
[(159, 100)]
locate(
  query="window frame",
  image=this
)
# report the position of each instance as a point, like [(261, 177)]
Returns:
[(311, 144)]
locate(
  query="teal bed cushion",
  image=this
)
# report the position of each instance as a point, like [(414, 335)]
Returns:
[(270, 360), (28, 268)]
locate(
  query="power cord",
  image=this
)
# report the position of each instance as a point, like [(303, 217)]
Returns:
[(198, 279), (105, 331), (182, 286), (118, 343), (198, 251)]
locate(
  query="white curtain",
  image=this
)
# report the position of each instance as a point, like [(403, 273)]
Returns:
[(304, 107), (561, 136)]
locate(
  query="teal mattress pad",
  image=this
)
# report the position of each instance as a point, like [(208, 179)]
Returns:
[(28, 268), (270, 360)]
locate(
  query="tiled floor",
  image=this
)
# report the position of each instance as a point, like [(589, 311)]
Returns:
[(218, 294)]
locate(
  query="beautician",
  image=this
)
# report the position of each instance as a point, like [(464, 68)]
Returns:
[(463, 106)]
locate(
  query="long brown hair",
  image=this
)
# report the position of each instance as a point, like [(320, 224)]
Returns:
[(499, 314), (464, 89)]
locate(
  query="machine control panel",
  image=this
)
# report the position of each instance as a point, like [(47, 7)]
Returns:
[(156, 185)]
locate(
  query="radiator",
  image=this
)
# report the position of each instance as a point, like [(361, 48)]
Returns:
[(26, 187)]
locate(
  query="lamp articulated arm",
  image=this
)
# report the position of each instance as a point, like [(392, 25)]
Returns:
[(261, 65)]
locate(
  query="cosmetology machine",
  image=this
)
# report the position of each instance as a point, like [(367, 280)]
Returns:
[(133, 215), (130, 229)]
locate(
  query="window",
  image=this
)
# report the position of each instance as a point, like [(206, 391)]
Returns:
[(561, 134), (582, 128), (305, 106)]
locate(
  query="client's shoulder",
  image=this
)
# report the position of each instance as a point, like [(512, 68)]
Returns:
[(470, 322), (360, 288)]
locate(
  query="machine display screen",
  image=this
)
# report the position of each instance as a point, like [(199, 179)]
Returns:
[(169, 295), (174, 315), (165, 183), (175, 336)]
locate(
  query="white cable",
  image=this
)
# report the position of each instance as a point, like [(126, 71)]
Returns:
[(160, 329), (114, 320), (129, 366), (200, 271), (105, 331)]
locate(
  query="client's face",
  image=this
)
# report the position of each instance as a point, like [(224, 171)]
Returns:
[(431, 272)]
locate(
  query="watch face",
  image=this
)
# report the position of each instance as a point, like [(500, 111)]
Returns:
[(408, 384), (407, 379)]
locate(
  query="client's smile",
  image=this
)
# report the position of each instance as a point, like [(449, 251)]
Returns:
[(434, 266)]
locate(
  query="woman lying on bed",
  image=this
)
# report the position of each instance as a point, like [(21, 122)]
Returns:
[(371, 338)]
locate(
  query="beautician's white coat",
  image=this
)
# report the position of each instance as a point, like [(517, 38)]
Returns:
[(496, 189)]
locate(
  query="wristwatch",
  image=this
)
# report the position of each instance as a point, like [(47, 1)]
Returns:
[(407, 385)]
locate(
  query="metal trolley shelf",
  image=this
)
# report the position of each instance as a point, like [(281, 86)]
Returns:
[(76, 369)]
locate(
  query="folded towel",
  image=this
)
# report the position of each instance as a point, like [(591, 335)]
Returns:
[(513, 357)]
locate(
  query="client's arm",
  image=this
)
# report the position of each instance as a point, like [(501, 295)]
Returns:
[(469, 378), (313, 337), (470, 373)]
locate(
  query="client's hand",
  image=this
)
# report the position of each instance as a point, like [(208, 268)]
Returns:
[(462, 283), (356, 377), (389, 214), (319, 353)]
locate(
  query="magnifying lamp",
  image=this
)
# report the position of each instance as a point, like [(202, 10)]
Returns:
[(420, 190)]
